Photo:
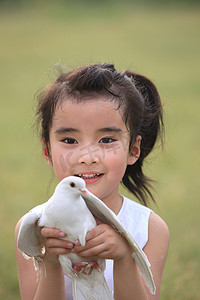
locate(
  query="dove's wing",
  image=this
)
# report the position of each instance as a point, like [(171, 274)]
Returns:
[(28, 238), (107, 216)]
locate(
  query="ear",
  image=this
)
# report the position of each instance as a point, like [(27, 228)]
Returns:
[(135, 151), (46, 152)]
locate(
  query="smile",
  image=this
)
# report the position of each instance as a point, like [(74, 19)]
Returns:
[(88, 176)]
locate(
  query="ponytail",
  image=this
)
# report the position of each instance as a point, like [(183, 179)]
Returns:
[(135, 95), (152, 125)]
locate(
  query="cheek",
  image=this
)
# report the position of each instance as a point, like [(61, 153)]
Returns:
[(116, 160), (61, 164)]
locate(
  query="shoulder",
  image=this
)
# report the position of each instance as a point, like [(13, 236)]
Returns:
[(158, 228), (159, 233)]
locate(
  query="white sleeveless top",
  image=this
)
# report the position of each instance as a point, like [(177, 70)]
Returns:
[(135, 218)]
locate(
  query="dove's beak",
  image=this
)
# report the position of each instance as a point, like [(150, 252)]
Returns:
[(84, 191)]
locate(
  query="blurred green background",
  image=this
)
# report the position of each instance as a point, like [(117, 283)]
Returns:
[(157, 39)]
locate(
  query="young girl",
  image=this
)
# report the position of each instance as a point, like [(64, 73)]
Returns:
[(100, 124)]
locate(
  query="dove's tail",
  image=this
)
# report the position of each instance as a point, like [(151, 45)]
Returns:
[(91, 287)]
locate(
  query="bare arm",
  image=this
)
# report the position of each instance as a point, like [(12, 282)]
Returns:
[(104, 242), (156, 250), (50, 284), (127, 279), (128, 283)]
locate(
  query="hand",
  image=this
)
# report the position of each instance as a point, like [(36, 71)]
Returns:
[(103, 242), (52, 240)]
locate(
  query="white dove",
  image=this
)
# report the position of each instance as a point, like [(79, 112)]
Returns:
[(65, 211)]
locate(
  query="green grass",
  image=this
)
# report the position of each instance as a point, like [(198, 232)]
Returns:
[(162, 43)]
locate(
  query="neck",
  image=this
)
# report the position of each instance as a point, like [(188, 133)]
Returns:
[(114, 203)]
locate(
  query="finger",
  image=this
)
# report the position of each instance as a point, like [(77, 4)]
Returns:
[(58, 251), (89, 245), (95, 252), (52, 232), (92, 242), (98, 230), (98, 242), (53, 242)]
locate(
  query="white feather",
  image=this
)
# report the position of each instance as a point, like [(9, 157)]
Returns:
[(63, 211), (67, 211)]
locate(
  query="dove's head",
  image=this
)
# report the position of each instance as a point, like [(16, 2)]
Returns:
[(72, 184)]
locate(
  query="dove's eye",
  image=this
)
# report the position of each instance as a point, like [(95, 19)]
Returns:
[(72, 184)]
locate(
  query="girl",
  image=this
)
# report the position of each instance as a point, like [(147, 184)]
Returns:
[(100, 124)]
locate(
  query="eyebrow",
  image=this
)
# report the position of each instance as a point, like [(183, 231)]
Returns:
[(62, 130), (110, 129)]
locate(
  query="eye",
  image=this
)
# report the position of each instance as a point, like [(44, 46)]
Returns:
[(72, 184), (107, 140), (69, 141)]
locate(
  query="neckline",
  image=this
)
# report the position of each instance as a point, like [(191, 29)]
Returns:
[(122, 206)]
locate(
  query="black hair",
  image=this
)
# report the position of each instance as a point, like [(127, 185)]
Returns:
[(135, 94)]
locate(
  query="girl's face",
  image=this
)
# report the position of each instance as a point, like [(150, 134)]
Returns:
[(89, 139)]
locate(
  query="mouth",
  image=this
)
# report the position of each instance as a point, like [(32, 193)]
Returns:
[(89, 176)]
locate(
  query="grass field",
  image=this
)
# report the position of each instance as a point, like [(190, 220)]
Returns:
[(162, 43)]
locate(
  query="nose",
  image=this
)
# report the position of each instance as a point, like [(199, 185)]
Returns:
[(89, 155)]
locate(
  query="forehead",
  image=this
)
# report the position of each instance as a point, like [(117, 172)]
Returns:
[(88, 112)]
